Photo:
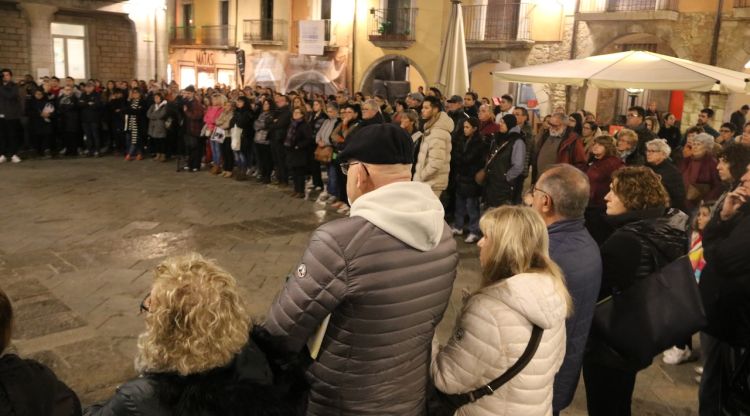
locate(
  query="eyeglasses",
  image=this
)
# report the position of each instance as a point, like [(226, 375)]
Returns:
[(345, 167), (534, 189), (146, 304)]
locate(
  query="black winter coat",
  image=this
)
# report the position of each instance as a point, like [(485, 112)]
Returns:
[(725, 281), (302, 145), (470, 157), (91, 106), (67, 113), (671, 178), (497, 190), (11, 101), (243, 118), (39, 125), (28, 388), (628, 255), (243, 388), (282, 118)]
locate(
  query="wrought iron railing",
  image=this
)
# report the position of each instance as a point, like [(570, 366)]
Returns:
[(741, 4), (509, 21), (598, 6), (221, 35), (265, 31), (392, 24), (183, 35), (217, 35)]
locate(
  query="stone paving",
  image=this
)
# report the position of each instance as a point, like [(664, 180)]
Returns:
[(79, 238)]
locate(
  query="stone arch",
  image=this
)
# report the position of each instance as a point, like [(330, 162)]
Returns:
[(369, 76), (663, 46)]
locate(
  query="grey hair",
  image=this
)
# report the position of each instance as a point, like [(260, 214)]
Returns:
[(660, 145), (705, 139), (372, 103), (569, 189)]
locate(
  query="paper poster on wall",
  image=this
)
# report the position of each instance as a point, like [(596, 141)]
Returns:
[(311, 37)]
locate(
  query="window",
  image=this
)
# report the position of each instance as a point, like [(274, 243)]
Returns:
[(187, 15), (224, 12), (69, 45), (187, 76), (206, 79), (226, 76)]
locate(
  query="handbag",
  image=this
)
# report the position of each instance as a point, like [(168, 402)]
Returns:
[(441, 404), (653, 314), (324, 154), (481, 176), (236, 134), (206, 131), (219, 135)]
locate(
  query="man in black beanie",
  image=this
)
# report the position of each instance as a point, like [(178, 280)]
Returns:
[(375, 285)]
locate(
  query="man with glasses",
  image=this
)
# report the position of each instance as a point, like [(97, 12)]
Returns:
[(371, 113), (383, 276), (727, 131), (558, 145), (560, 196), (635, 121)]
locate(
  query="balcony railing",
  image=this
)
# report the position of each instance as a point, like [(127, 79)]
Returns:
[(741, 4), (183, 35), (218, 35), (265, 31), (222, 35), (392, 25), (599, 6), (330, 41), (508, 22)]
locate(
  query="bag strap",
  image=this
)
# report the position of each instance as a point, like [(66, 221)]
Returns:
[(495, 153), (523, 361)]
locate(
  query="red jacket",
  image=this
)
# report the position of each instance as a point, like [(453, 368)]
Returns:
[(571, 151), (600, 172)]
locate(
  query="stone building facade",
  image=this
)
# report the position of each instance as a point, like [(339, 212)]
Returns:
[(120, 40)]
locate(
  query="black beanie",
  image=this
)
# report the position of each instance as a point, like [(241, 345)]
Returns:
[(510, 121), (379, 144)]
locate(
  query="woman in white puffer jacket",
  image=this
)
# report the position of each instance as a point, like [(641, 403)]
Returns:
[(522, 286)]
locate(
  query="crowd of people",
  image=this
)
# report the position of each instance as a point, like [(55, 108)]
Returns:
[(566, 218)]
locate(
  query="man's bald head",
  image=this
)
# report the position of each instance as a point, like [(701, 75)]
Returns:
[(568, 188)]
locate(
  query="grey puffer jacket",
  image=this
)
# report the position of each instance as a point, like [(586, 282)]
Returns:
[(385, 275)]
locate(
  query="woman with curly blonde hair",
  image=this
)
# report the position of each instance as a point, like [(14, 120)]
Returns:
[(522, 289), (647, 234), (195, 357)]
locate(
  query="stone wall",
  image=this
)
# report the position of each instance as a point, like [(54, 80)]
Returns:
[(14, 51), (111, 43)]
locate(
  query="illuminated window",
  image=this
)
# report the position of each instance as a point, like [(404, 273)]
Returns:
[(69, 45)]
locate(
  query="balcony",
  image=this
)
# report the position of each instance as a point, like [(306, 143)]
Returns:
[(741, 9), (604, 10), (265, 32), (499, 27), (392, 28), (206, 36)]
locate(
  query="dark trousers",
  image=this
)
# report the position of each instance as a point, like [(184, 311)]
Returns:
[(317, 176), (10, 136), (265, 161), (93, 136), (299, 174), (70, 142), (609, 391), (713, 380), (228, 153), (42, 142), (159, 145), (341, 182), (278, 153), (194, 149)]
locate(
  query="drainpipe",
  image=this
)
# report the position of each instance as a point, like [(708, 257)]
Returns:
[(352, 48), (717, 30), (573, 46), (236, 24)]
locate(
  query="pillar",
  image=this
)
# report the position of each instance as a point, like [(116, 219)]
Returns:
[(41, 51)]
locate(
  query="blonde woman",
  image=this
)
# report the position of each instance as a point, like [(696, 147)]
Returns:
[(522, 287), (194, 356)]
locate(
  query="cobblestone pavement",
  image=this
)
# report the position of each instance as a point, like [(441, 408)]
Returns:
[(79, 238)]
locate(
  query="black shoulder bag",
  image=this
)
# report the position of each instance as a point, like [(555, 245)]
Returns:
[(441, 404)]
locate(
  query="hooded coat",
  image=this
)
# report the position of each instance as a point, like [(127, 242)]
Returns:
[(492, 334), (385, 276), (433, 160)]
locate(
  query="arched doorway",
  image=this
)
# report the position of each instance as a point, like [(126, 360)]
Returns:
[(392, 76)]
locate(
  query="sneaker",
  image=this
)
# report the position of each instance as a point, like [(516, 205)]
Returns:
[(139, 157), (337, 205), (15, 159), (457, 231), (471, 239), (3, 159), (697, 379), (698, 370), (674, 356), (128, 158), (318, 188), (343, 210)]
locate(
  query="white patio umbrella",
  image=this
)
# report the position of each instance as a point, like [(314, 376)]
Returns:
[(453, 74), (633, 69)]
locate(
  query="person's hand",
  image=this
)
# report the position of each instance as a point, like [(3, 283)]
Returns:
[(734, 201)]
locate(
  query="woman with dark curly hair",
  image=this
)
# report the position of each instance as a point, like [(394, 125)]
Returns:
[(602, 164), (195, 357), (646, 235)]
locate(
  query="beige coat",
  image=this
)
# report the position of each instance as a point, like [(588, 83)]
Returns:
[(491, 335), (433, 161)]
